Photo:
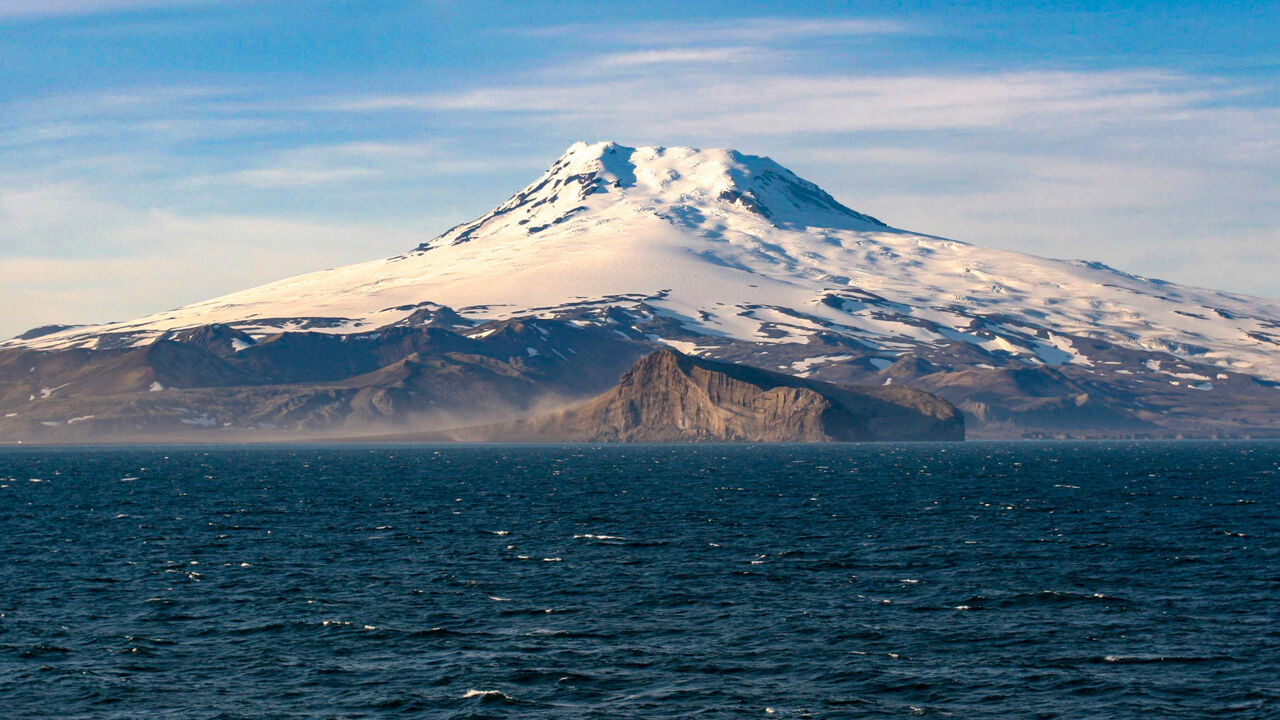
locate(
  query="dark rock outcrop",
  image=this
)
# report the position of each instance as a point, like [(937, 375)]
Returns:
[(670, 397)]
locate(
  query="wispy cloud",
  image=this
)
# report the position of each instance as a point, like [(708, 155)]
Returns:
[(783, 103), (670, 56), (148, 115), (283, 177), (351, 164), (754, 30), (45, 8)]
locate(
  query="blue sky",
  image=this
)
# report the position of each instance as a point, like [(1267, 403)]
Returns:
[(158, 152)]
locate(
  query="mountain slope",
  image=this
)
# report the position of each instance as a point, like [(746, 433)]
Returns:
[(733, 256)]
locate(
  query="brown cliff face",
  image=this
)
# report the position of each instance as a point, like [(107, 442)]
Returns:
[(670, 397)]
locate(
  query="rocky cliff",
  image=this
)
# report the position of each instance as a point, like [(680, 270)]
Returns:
[(670, 397)]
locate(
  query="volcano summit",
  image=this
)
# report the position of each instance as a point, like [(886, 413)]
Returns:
[(615, 251)]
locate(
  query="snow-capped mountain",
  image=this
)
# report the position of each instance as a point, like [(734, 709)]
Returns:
[(729, 255), (737, 246)]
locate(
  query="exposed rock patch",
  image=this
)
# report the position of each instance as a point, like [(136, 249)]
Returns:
[(670, 397)]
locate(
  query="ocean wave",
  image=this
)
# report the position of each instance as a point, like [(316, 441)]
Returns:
[(492, 696)]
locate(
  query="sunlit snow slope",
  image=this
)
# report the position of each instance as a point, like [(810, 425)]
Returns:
[(735, 246)]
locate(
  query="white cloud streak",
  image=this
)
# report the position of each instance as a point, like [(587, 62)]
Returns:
[(754, 30), (45, 8), (698, 103), (669, 56)]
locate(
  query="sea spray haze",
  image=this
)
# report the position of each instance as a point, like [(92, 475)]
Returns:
[(617, 250), (1051, 580)]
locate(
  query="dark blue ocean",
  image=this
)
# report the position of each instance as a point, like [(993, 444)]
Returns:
[(985, 580)]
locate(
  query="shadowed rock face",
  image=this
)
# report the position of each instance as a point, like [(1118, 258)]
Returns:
[(670, 397), (217, 384)]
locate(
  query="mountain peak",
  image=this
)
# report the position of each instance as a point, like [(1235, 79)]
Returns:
[(669, 182)]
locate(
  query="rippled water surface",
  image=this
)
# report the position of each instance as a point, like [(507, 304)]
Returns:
[(1104, 580)]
